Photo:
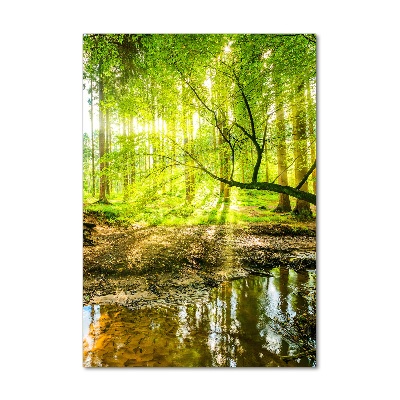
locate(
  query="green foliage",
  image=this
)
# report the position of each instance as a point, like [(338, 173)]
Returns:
[(166, 123), (207, 208)]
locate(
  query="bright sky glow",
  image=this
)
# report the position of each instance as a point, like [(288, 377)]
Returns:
[(266, 54), (227, 48), (208, 83)]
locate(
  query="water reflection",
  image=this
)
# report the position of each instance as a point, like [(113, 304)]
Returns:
[(232, 329)]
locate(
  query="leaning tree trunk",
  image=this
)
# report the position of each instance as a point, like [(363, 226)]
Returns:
[(300, 149), (284, 201)]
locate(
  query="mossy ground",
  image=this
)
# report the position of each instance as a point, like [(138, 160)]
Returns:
[(207, 208)]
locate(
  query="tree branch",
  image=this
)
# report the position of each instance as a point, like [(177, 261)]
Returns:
[(273, 187), (305, 177), (291, 163), (253, 130), (244, 131)]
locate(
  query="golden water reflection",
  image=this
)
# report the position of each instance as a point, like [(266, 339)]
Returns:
[(232, 329)]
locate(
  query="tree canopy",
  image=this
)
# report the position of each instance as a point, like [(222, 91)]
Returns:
[(176, 108)]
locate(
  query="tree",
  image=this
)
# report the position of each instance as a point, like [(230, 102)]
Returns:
[(300, 147), (92, 137), (227, 83), (284, 201), (107, 58), (244, 127)]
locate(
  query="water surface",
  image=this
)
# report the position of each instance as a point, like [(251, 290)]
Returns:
[(231, 329)]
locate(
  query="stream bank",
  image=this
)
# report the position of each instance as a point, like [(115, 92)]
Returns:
[(145, 266)]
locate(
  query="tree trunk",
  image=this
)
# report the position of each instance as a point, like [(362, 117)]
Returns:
[(171, 132), (150, 149), (191, 149), (163, 153), (311, 137), (257, 164), (300, 148), (132, 153), (314, 173), (224, 188), (221, 164), (92, 133), (107, 149), (266, 164), (125, 162), (284, 201), (188, 169), (102, 194)]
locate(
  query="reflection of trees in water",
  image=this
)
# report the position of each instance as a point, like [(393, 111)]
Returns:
[(91, 331), (232, 329), (296, 320), (284, 292), (237, 324)]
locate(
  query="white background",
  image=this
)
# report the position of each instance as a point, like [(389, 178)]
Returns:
[(40, 210)]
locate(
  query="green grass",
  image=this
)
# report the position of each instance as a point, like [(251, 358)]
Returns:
[(207, 208)]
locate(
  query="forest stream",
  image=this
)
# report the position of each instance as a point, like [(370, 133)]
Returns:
[(232, 328), (177, 296)]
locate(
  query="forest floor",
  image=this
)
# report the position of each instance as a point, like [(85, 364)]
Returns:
[(137, 266)]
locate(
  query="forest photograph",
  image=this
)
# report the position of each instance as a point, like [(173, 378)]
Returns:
[(199, 181)]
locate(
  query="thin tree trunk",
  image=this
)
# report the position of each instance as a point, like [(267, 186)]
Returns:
[(132, 153), (172, 134), (107, 149), (102, 194), (92, 133), (162, 152), (109, 181), (125, 162), (243, 168), (151, 135), (191, 163), (312, 137), (221, 164), (300, 148), (314, 173), (284, 201), (224, 159), (188, 180)]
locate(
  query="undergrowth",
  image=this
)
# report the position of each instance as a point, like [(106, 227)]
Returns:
[(207, 208)]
